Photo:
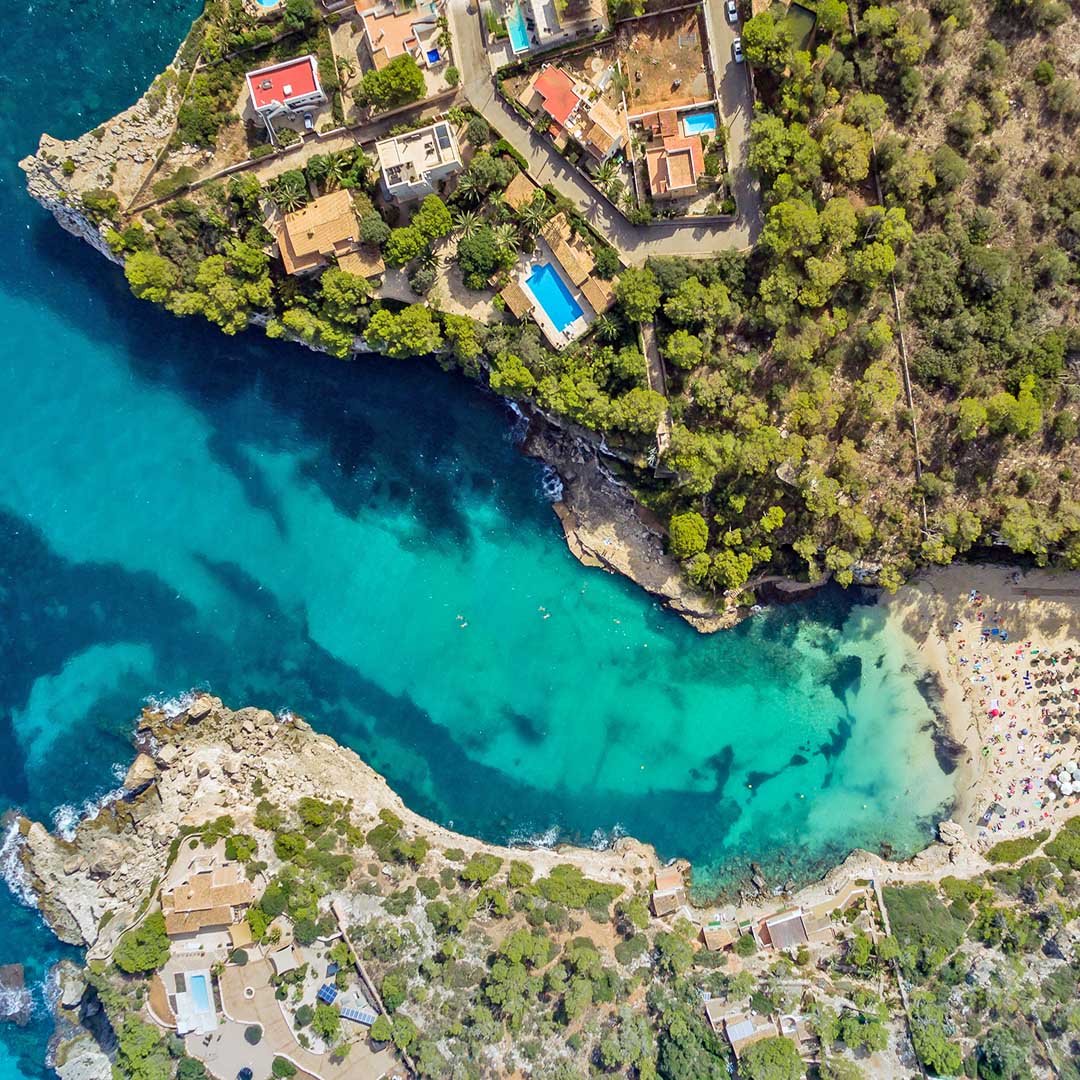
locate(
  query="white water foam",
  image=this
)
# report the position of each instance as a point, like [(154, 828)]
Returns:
[(602, 840), (546, 839), (172, 707), (551, 485), (11, 867), (66, 817)]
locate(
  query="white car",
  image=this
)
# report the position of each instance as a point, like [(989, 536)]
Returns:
[(736, 50), (732, 9)]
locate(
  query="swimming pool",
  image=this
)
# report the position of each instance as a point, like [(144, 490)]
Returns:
[(200, 995), (433, 56), (699, 123), (553, 296), (519, 32)]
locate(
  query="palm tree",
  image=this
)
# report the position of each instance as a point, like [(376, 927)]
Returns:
[(288, 193), (467, 222), (608, 327), (470, 188), (607, 172), (534, 213), (337, 168), (429, 259), (505, 236)]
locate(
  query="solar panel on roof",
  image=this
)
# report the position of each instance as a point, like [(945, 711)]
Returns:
[(361, 1016), (327, 993)]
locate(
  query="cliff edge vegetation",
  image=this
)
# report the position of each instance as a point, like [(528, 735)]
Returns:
[(888, 379), (259, 899)]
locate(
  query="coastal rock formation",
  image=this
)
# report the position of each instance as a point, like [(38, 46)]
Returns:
[(90, 889), (16, 1004), (606, 527), (80, 1058)]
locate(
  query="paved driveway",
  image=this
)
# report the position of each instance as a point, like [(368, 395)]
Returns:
[(634, 243)]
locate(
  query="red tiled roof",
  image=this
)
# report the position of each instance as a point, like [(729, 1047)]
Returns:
[(676, 165), (557, 90), (289, 80)]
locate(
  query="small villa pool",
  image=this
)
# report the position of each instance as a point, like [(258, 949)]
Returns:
[(553, 296), (200, 996), (268, 3), (433, 56), (699, 123), (519, 32)]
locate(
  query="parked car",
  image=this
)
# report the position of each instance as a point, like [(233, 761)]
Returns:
[(736, 50), (309, 123), (732, 11)]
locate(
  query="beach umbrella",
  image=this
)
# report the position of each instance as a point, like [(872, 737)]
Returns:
[(1066, 788)]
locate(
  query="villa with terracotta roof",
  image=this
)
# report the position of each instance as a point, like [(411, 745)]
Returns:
[(396, 29), (573, 113), (570, 259), (212, 897), (285, 89), (324, 229), (674, 166)]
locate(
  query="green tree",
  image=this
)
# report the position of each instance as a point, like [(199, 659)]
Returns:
[(403, 246), (847, 150), (141, 1053), (791, 228), (767, 41), (638, 293), (326, 1022), (432, 220), (381, 1030), (151, 276), (832, 18), (282, 1068), (373, 230), (511, 377), (950, 169), (343, 295), (145, 948), (683, 349), (414, 331), (688, 533), (971, 416), (864, 110), (775, 1058), (400, 82)]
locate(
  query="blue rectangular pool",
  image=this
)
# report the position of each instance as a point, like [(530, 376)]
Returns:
[(199, 993), (553, 296), (519, 32), (699, 123)]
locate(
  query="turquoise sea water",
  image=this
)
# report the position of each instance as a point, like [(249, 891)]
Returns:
[(363, 543)]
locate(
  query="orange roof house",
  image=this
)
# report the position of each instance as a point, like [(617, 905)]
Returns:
[(391, 32), (325, 228), (557, 92), (674, 166), (207, 898)]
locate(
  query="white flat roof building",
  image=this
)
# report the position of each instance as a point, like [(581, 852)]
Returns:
[(413, 163)]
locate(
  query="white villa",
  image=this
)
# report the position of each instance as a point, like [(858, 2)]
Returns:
[(414, 163), (285, 89)]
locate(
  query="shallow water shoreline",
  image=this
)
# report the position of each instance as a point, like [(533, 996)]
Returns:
[(925, 611)]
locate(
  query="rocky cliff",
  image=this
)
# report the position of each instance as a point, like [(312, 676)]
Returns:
[(197, 763)]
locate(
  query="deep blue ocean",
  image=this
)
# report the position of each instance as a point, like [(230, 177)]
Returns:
[(364, 544)]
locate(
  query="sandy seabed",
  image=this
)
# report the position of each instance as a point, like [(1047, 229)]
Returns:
[(1004, 644)]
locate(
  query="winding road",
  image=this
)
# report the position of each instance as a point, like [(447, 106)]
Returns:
[(635, 243)]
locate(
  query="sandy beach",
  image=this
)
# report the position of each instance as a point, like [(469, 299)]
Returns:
[(1005, 646)]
